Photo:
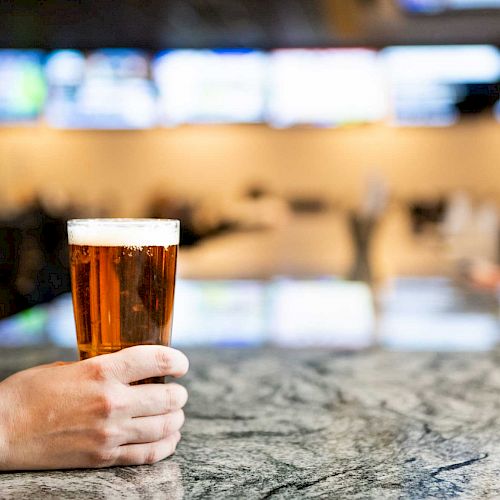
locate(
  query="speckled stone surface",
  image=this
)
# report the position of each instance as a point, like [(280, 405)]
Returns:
[(312, 424)]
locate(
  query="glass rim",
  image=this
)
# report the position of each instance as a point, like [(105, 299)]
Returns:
[(112, 221), (123, 232)]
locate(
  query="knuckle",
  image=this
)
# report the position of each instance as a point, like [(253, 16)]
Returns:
[(124, 366), (103, 457), (95, 370), (152, 455), (163, 361), (176, 396), (172, 397), (167, 426), (105, 436), (109, 403), (106, 406), (172, 422)]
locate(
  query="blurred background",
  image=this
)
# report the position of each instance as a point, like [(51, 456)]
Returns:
[(335, 164)]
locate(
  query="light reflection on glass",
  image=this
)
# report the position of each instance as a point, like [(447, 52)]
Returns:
[(434, 314), (424, 313), (219, 312)]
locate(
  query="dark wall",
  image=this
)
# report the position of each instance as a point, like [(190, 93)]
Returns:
[(159, 24)]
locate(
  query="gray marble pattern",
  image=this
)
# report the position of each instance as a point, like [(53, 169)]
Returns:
[(311, 424)]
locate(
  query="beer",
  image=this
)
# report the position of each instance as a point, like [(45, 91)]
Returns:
[(123, 280)]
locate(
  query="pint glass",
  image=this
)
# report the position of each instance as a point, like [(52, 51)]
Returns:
[(122, 281)]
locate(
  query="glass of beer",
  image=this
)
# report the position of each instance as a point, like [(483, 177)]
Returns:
[(122, 280)]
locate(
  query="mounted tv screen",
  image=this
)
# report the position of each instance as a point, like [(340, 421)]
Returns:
[(436, 6), (105, 89), (435, 85), (325, 87), (210, 86), (22, 85)]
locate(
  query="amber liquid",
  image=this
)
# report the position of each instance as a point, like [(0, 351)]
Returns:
[(122, 296)]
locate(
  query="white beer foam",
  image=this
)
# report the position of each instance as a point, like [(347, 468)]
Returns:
[(123, 232)]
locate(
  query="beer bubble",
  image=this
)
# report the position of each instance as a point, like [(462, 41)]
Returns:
[(81, 255), (129, 251)]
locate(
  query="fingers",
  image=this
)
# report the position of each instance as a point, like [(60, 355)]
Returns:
[(151, 429), (141, 362), (155, 399), (148, 453)]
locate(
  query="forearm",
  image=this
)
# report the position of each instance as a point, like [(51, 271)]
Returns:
[(4, 433)]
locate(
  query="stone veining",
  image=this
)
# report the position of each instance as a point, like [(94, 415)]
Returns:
[(311, 424)]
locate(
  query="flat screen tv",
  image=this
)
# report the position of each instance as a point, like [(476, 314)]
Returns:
[(22, 85), (436, 6), (435, 85), (325, 87), (103, 89), (210, 86)]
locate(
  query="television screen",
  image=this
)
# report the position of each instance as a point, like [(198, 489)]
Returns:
[(210, 86), (433, 85), (106, 89), (325, 87), (433, 6), (22, 85), (497, 110)]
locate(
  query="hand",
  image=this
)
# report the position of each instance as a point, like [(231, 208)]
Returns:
[(85, 414)]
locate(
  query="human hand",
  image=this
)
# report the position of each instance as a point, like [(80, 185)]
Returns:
[(85, 414)]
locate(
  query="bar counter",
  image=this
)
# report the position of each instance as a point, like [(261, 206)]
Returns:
[(270, 423)]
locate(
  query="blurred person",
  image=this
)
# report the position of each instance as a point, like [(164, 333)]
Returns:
[(52, 277), (399, 250), (427, 214), (256, 208), (363, 223), (164, 207), (44, 267), (219, 215), (482, 274), (260, 208), (12, 256), (11, 300), (87, 414), (471, 230)]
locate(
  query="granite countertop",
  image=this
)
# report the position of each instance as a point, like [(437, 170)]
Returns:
[(311, 424)]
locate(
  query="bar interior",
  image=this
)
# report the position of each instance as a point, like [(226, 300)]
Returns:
[(335, 166)]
